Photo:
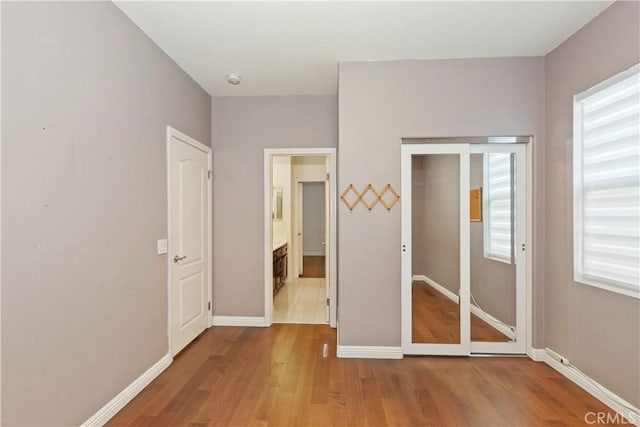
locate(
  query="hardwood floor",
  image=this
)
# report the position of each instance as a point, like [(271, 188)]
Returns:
[(234, 376), (436, 319), (313, 266)]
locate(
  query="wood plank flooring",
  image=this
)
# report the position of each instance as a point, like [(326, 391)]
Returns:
[(436, 319), (234, 376), (313, 266)]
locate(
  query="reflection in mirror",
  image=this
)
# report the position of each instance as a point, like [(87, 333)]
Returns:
[(435, 204), (493, 270)]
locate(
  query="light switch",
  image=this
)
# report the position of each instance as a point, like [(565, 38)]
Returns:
[(162, 246)]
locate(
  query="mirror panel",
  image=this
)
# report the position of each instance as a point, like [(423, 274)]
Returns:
[(492, 236), (435, 240)]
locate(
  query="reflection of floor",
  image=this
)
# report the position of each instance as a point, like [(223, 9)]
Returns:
[(302, 300), (436, 319), (313, 266)]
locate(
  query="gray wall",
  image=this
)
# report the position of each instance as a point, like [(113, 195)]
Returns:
[(598, 331), (85, 101), (313, 218), (242, 127), (493, 283), (435, 197), (464, 97)]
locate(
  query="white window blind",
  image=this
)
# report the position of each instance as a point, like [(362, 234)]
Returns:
[(606, 163), (497, 207)]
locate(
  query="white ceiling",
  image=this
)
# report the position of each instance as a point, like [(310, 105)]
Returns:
[(292, 48)]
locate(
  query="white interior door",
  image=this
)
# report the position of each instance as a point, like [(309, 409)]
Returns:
[(189, 197)]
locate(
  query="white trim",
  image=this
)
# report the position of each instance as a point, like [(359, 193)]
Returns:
[(268, 246), (486, 317), (249, 321), (268, 250), (528, 254), (107, 412), (537, 354), (1, 145), (368, 352), (589, 385), (313, 254), (174, 133)]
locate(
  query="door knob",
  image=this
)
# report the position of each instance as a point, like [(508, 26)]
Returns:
[(179, 258)]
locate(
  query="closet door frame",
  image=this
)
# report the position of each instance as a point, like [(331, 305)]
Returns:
[(524, 316)]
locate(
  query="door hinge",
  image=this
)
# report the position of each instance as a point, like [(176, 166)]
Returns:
[(328, 301), (209, 173), (328, 176), (209, 305)]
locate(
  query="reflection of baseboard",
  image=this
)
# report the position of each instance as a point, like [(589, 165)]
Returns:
[(438, 287), (492, 321), (486, 317)]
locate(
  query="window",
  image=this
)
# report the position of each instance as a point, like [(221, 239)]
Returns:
[(606, 184), (498, 207)]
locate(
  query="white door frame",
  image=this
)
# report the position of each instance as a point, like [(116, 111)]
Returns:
[(174, 133), (332, 275), (408, 347)]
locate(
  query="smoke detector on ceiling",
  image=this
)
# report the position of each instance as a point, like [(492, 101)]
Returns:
[(233, 79)]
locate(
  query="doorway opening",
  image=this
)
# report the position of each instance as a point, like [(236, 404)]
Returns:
[(300, 236), (311, 220)]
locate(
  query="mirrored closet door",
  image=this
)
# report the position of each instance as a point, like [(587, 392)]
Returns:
[(463, 253)]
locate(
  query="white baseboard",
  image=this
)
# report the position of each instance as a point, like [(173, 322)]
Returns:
[(313, 254), (368, 352), (250, 321), (486, 317), (589, 385), (101, 417)]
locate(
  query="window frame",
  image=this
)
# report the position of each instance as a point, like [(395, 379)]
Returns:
[(577, 159)]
